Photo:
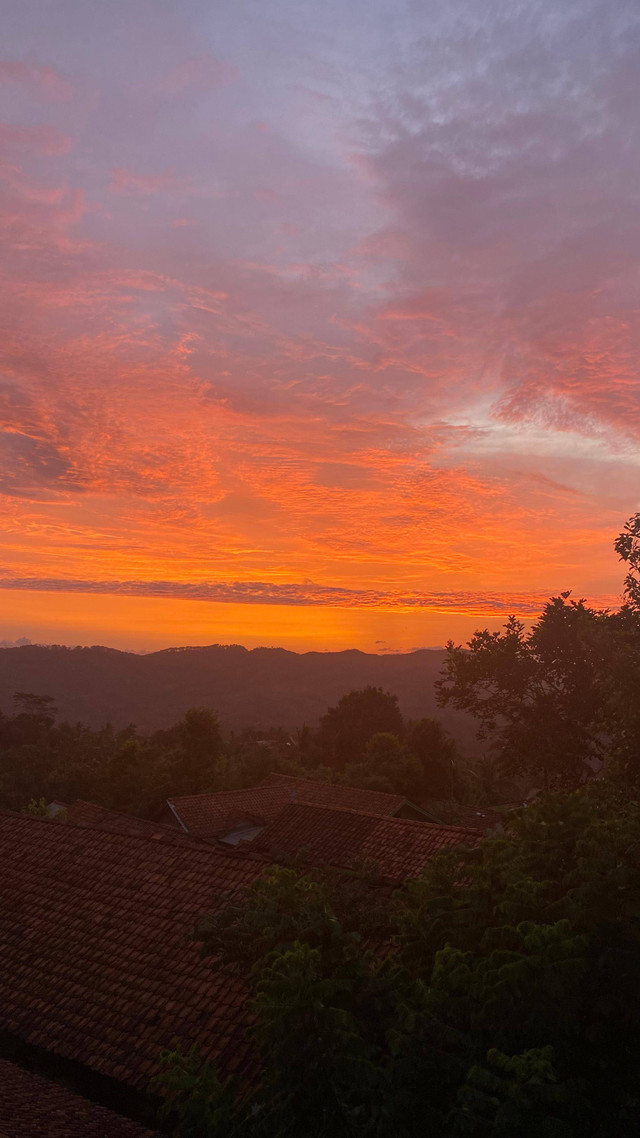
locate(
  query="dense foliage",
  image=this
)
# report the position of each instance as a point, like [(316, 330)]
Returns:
[(124, 770), (496, 996), (43, 759), (537, 695), (557, 702)]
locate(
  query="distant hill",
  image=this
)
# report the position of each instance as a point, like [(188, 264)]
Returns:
[(262, 687)]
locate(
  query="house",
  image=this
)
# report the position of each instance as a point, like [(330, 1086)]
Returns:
[(54, 809), (97, 964), (220, 815), (234, 816), (82, 813), (99, 970), (335, 835), (351, 797)]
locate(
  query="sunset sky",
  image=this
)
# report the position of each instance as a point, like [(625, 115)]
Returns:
[(320, 318)]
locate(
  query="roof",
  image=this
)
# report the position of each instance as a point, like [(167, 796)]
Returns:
[(209, 814), (82, 813), (480, 817), (336, 836), (334, 794), (33, 1107), (96, 960)]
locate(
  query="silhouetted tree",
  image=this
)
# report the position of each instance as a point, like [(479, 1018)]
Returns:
[(537, 696), (346, 728), (387, 765), (39, 707), (438, 756), (198, 761), (627, 545)]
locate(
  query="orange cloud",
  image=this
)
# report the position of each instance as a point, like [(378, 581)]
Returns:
[(377, 361)]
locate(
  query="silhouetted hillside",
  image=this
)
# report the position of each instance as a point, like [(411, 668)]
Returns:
[(265, 687)]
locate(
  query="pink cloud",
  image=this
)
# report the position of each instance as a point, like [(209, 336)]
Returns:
[(44, 140), (46, 80), (202, 73), (125, 181)]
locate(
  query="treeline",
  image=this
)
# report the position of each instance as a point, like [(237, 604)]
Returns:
[(362, 741)]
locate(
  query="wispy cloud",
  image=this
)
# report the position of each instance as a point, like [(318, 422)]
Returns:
[(349, 296), (306, 594)]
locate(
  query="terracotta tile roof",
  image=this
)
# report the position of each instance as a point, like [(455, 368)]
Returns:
[(209, 814), (96, 964), (33, 1107), (89, 814), (333, 794), (481, 817), (335, 836)]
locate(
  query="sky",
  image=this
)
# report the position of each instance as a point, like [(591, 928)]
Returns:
[(319, 317)]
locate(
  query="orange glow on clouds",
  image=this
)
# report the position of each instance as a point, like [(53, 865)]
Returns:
[(286, 359)]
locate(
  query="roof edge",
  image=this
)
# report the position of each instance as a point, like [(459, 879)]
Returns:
[(177, 816)]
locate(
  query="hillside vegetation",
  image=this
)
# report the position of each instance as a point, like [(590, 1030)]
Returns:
[(262, 688)]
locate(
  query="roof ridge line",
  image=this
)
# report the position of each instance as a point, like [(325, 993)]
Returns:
[(382, 817)]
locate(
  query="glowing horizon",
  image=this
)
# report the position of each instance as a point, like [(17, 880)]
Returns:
[(320, 322)]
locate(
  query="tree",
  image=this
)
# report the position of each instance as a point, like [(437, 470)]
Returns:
[(388, 766), (346, 728), (627, 546), (40, 707), (134, 779), (198, 761), (37, 808), (508, 1005), (537, 696), (195, 1102), (438, 756)]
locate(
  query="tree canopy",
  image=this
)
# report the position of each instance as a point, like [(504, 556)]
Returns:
[(537, 695), (346, 728), (496, 996)]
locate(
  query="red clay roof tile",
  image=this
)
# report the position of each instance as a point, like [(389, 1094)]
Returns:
[(209, 814), (480, 817), (96, 961), (82, 813), (336, 836), (334, 794), (33, 1107)]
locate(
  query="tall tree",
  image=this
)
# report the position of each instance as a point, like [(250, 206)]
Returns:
[(438, 756), (627, 546), (346, 728), (198, 763), (387, 765), (537, 695)]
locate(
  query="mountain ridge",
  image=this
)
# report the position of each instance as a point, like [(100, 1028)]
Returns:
[(247, 687)]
